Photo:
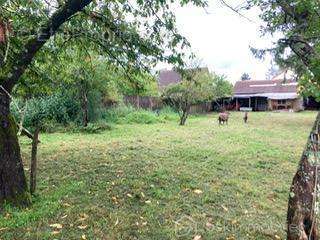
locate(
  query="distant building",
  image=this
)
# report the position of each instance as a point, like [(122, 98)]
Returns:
[(168, 77), (279, 93)]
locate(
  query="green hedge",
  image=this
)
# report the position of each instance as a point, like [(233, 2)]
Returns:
[(61, 112)]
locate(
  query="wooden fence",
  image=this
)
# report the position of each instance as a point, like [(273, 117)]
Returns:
[(154, 103), (144, 102), (201, 108)]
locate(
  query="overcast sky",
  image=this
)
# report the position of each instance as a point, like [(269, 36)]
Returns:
[(221, 38)]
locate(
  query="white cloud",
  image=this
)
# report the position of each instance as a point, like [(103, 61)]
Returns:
[(222, 38)]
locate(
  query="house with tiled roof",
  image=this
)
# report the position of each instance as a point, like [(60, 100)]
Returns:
[(279, 93), (168, 77)]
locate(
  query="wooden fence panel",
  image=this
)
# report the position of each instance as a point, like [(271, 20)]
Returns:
[(144, 102), (154, 103)]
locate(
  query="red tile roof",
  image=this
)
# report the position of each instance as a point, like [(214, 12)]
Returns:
[(167, 77), (265, 86)]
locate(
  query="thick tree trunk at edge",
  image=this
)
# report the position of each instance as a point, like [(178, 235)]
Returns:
[(13, 185), (300, 218)]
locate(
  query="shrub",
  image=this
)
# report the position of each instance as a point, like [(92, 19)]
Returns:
[(62, 113), (51, 111), (168, 114), (94, 128), (118, 114), (128, 114), (142, 117)]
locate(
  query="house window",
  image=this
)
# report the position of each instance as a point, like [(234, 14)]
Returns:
[(282, 102)]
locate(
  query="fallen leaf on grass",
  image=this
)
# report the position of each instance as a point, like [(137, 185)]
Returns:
[(117, 222), (82, 227), (198, 191), (83, 217), (277, 237), (197, 237), (230, 238), (148, 202), (225, 208), (55, 232), (209, 225), (83, 237), (114, 200), (56, 225)]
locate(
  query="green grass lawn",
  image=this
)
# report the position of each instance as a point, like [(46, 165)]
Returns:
[(163, 181)]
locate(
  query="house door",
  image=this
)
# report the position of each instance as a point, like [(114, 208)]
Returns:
[(259, 103)]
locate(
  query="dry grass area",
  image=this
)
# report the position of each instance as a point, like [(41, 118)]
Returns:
[(162, 181)]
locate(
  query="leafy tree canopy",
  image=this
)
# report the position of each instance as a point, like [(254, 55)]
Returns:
[(297, 22), (134, 35), (197, 86)]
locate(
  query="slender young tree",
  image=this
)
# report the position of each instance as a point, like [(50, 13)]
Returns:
[(197, 86)]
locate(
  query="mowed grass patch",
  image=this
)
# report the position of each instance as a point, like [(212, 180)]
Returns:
[(164, 181)]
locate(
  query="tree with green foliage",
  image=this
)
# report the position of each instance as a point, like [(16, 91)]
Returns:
[(132, 34), (138, 84), (197, 86), (222, 88), (298, 47), (85, 75)]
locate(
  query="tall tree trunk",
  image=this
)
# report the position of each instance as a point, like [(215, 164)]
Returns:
[(301, 217), (13, 185), (85, 109), (184, 116), (33, 169)]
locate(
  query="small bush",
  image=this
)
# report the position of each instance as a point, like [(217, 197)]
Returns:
[(118, 114), (50, 126), (51, 111), (92, 128), (142, 117), (168, 114), (62, 113), (128, 114)]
